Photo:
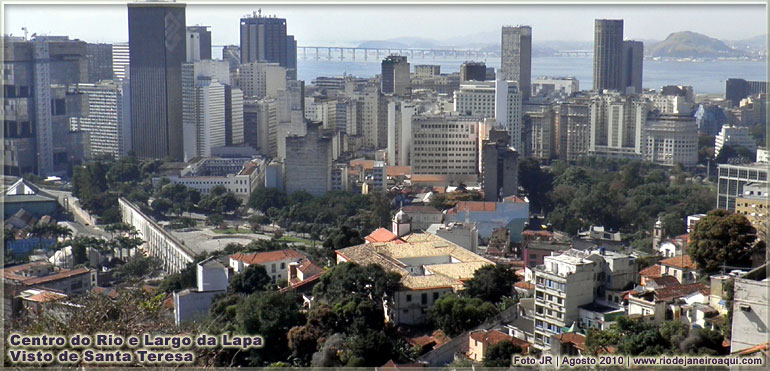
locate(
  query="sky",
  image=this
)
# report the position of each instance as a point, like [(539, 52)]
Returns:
[(347, 25)]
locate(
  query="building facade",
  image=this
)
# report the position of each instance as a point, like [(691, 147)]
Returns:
[(516, 58), (395, 78), (608, 54), (617, 123), (157, 49), (109, 117), (671, 140), (445, 145), (308, 162), (733, 178)]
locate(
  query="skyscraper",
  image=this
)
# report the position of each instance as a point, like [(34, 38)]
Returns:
[(108, 120), (633, 59), (157, 48), (291, 57), (198, 43), (516, 57), (608, 54), (120, 61), (473, 71), (395, 75)]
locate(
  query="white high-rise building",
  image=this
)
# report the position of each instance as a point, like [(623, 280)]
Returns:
[(399, 132), (236, 116), (734, 136), (445, 145), (109, 117), (261, 79), (508, 110), (672, 139), (267, 127), (617, 123), (203, 106), (494, 99), (120, 59)]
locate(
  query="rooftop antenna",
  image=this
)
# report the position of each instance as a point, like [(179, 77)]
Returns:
[(260, 12), (25, 32)]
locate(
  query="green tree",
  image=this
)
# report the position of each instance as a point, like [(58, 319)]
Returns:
[(254, 278), (491, 283), (454, 314), (138, 267), (721, 238), (347, 280), (501, 354), (369, 349), (162, 205), (264, 198), (270, 314), (343, 237)]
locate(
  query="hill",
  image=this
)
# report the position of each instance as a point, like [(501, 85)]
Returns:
[(687, 44)]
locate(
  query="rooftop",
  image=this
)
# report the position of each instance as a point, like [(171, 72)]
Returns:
[(651, 271), (268, 257), (414, 246), (681, 262), (381, 235)]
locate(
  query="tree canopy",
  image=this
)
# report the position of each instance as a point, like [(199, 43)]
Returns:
[(454, 314), (721, 237), (491, 283)]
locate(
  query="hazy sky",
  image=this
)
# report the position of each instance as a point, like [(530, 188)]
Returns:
[(348, 24)]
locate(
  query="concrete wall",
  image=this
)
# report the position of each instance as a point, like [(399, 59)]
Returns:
[(750, 314)]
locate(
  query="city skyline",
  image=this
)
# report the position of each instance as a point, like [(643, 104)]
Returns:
[(643, 22)]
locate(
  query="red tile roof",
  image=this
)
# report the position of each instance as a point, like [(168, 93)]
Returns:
[(651, 271), (665, 281), (46, 296), (578, 340), (381, 235), (475, 206), (58, 276), (490, 337), (677, 291), (309, 268), (267, 257), (681, 262), (398, 170), (514, 199)]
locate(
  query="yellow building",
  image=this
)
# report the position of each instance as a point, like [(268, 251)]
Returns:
[(753, 204)]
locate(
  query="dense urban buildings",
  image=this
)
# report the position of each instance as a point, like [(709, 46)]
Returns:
[(473, 71), (737, 89), (156, 38), (516, 57), (108, 121), (733, 178), (198, 43), (264, 39), (499, 167)]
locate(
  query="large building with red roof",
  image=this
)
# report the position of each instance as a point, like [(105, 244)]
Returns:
[(275, 262)]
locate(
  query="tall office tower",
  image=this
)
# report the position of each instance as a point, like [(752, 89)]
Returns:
[(516, 57), (399, 132), (737, 89), (395, 75), (374, 119), (508, 111), (264, 39), (156, 38), (99, 62), (445, 145), (233, 116), (232, 54), (308, 162), (120, 61), (617, 123), (473, 71), (633, 59), (39, 100), (28, 139), (109, 117), (261, 79), (203, 106), (499, 167), (291, 57), (198, 43), (572, 127), (265, 126), (608, 54)]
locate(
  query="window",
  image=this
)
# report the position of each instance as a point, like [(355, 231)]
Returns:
[(408, 298), (424, 299), (283, 265), (435, 296), (272, 269)]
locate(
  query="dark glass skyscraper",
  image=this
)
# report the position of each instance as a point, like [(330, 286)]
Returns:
[(608, 54), (156, 38), (263, 39)]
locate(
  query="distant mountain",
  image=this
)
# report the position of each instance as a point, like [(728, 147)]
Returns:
[(756, 43), (687, 44)]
